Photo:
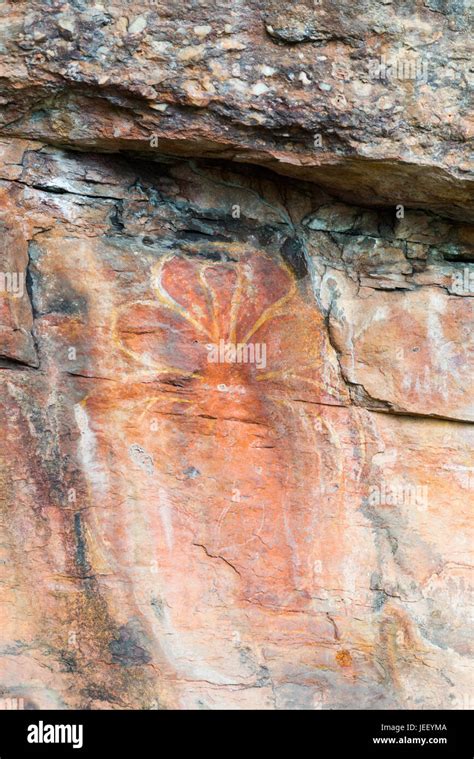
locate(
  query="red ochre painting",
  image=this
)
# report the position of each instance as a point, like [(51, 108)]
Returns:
[(225, 485), (259, 470)]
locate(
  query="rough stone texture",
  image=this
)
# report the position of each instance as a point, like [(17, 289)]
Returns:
[(178, 533), (257, 81)]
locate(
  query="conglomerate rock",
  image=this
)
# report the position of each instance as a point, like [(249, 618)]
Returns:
[(236, 468), (355, 95)]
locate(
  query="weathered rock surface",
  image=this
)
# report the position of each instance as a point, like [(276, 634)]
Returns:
[(291, 531), (354, 95)]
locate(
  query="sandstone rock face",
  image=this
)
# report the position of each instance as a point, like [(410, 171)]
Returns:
[(354, 95), (237, 466)]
